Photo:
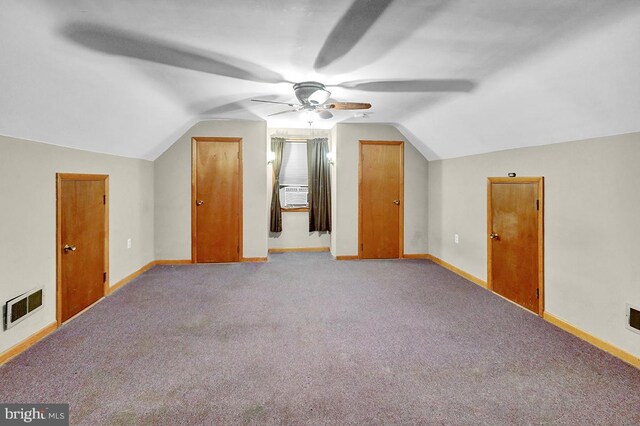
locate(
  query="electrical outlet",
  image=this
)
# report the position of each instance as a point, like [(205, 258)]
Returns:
[(129, 243), (456, 238)]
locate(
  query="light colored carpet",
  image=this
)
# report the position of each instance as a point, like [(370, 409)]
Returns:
[(304, 339)]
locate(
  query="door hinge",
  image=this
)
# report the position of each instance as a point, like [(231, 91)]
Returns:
[(537, 293), (537, 204), (238, 249), (104, 277), (361, 246), (104, 199)]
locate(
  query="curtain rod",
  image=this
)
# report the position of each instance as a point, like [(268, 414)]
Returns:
[(300, 138)]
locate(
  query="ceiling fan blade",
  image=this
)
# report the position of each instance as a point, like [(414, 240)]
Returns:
[(353, 25), (386, 33), (325, 114), (426, 85), (348, 105), (273, 102), (283, 112), (119, 42), (224, 109), (232, 106)]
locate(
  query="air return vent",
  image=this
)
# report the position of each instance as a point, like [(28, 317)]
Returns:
[(19, 308), (633, 318)]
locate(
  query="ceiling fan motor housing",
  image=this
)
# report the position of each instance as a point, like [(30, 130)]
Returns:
[(305, 89)]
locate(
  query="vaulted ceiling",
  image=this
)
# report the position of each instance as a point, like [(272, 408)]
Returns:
[(457, 77)]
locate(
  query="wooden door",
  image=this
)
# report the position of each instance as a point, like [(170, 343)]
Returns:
[(82, 246), (217, 200), (381, 200), (515, 240)]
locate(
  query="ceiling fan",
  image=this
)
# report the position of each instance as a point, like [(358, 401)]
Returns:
[(313, 97)]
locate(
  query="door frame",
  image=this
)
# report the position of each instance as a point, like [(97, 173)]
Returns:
[(203, 139), (401, 195), (60, 177), (512, 180)]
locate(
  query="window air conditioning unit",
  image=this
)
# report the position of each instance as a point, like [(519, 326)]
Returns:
[(296, 196)]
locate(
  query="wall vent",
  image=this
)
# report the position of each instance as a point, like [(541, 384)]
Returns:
[(21, 307), (633, 318)]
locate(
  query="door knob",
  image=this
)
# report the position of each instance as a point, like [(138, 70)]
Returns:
[(68, 248), (199, 202), (494, 236), (396, 202)]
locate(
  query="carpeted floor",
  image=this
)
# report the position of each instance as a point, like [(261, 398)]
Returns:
[(304, 339)]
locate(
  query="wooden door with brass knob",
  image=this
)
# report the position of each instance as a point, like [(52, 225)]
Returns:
[(82, 242), (216, 200), (515, 240), (380, 195)]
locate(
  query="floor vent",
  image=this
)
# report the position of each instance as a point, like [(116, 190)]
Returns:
[(21, 307), (633, 318)]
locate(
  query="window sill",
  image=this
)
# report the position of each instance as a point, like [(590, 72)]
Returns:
[(297, 209)]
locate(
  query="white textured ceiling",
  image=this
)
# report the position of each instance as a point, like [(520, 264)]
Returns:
[(129, 77)]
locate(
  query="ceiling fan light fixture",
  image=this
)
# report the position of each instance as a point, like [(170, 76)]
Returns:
[(319, 97), (306, 89)]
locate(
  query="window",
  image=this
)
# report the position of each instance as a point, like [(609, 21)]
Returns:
[(294, 169), (294, 177)]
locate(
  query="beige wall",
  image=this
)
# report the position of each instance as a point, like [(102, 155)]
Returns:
[(28, 220), (334, 192), (295, 233), (295, 225), (592, 225), (173, 189), (415, 188)]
